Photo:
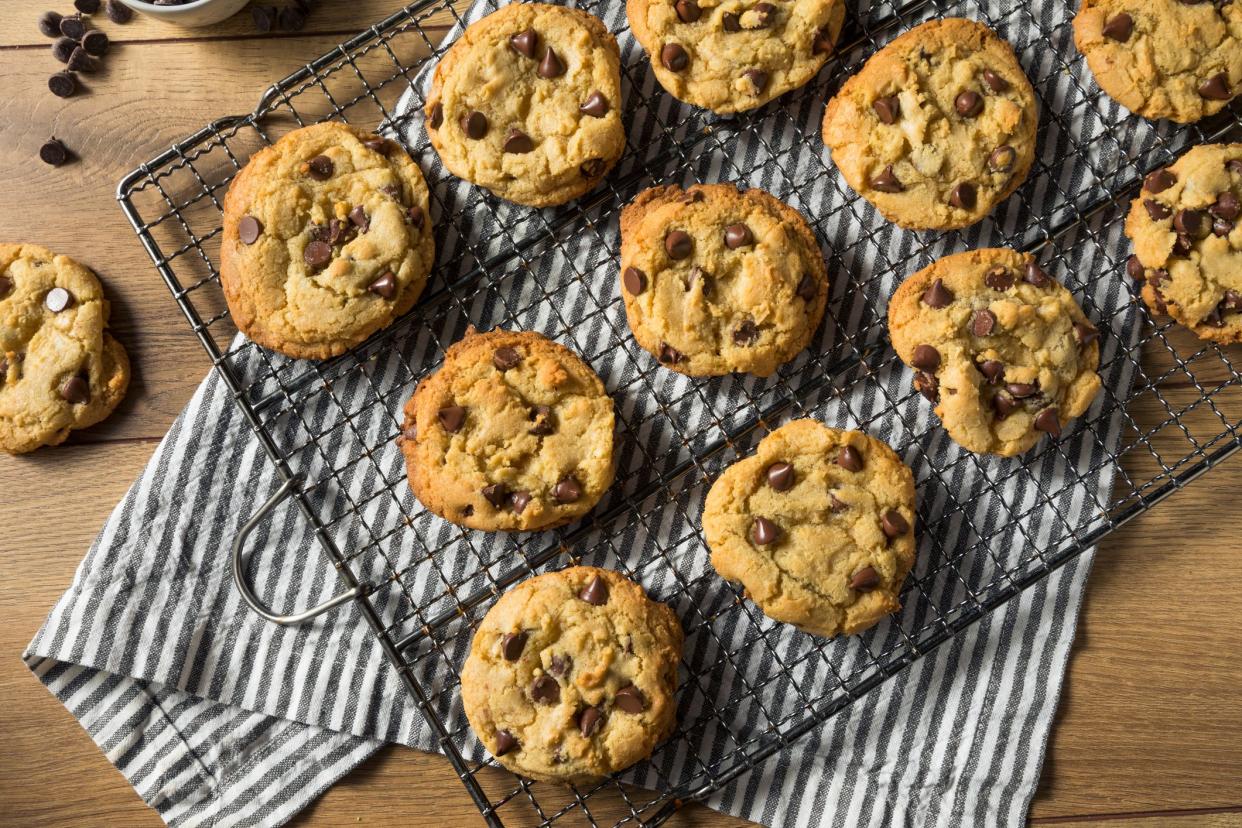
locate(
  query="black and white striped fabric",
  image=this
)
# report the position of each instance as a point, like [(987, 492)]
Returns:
[(219, 718)]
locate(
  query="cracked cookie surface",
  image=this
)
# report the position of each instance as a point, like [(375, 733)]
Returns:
[(716, 280), (1174, 59), (327, 239), (527, 103), (60, 369), (733, 55), (513, 433), (998, 346), (817, 525), (937, 128), (1186, 228), (572, 675)]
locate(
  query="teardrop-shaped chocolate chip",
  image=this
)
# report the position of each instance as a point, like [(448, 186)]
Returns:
[(517, 142), (1119, 27), (385, 286), (512, 644), (1002, 159), (678, 244), (75, 390), (995, 82), (763, 532), (669, 355), (888, 110), (1048, 421), (551, 66), (317, 254), (596, 105), (496, 494), (474, 124), (1216, 88), (1158, 181), (595, 592), (358, 218), (545, 690), (630, 700), (451, 418), (1033, 274), (780, 476), (850, 459), (567, 490), (320, 168), (937, 295), (674, 57), (993, 371), (506, 358), (688, 11), (738, 235), (893, 524), (926, 358), (589, 721), (968, 104), (964, 196), (505, 742), (525, 43), (865, 579), (249, 229), (886, 181), (634, 280), (1003, 404), (982, 322), (1022, 390)]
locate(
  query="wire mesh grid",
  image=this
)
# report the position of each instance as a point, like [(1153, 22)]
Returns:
[(750, 687)]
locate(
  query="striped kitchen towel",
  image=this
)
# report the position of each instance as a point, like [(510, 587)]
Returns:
[(219, 718)]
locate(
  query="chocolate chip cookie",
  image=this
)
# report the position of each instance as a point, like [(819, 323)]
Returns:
[(716, 280), (513, 433), (327, 240), (1186, 226), (572, 675), (817, 525), (1175, 59), (998, 346), (60, 369), (527, 103), (735, 55), (937, 128)]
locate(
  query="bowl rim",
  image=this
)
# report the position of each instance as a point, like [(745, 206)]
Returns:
[(147, 5)]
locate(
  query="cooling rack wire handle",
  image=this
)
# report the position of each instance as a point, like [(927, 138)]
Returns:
[(239, 567)]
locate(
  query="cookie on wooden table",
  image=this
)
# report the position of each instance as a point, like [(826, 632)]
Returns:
[(1186, 226), (817, 525), (735, 55), (527, 103), (937, 128), (572, 675), (998, 346), (716, 280), (60, 369), (513, 433), (327, 240)]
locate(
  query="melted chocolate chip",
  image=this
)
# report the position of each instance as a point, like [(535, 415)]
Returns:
[(807, 288), (1033, 274), (544, 421), (505, 742), (358, 218), (75, 390), (1158, 181), (865, 579), (670, 355), (982, 322), (589, 721), (451, 418), (1156, 210), (758, 79), (888, 110), (436, 118), (567, 491), (746, 333), (545, 690), (1216, 88), (1134, 269), (999, 278), (995, 82), (317, 254), (1047, 421), (1119, 27), (993, 371), (688, 11), (496, 494), (893, 524), (1085, 333), (506, 358), (927, 385)]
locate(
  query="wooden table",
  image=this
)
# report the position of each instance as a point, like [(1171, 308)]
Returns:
[(1150, 725)]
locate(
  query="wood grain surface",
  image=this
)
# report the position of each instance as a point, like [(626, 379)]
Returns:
[(1149, 732)]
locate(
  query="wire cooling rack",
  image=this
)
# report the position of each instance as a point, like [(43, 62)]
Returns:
[(988, 527)]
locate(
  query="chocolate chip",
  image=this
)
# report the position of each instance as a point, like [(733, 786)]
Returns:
[(865, 579), (561, 664), (730, 22), (1216, 88), (596, 105), (927, 385), (1085, 333), (57, 299), (292, 18), (678, 244), (73, 27), (75, 390), (888, 110), (937, 296), (688, 11), (998, 278), (1002, 159), (385, 286), (63, 49), (634, 280), (670, 355), (968, 104), (63, 84), (545, 690), (838, 505), (630, 700), (1033, 274), (758, 78), (265, 18), (1226, 207), (451, 418), (249, 229), (1134, 269), (822, 43), (738, 235), (746, 333), (49, 23), (525, 43), (517, 142), (358, 218), (964, 196), (1231, 302), (850, 459), (496, 494), (474, 124), (993, 370), (551, 65), (504, 742), (415, 217), (436, 118), (589, 721), (378, 144), (567, 490), (95, 43), (995, 82), (1003, 405), (80, 61), (54, 153), (1222, 227), (317, 254), (1119, 27), (118, 12), (592, 167), (886, 181), (596, 592), (1213, 319), (893, 524), (544, 421), (512, 644), (1022, 390), (763, 531), (674, 57), (518, 501), (807, 288), (506, 358), (6, 284), (780, 476), (982, 322), (926, 358), (1158, 181), (765, 13), (1047, 421), (1156, 210), (1189, 222)]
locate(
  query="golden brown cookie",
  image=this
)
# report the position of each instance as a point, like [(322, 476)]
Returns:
[(60, 369), (716, 280), (998, 346), (817, 525), (527, 103), (572, 675), (327, 240), (513, 433), (937, 128)]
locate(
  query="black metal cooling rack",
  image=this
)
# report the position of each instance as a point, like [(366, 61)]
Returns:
[(988, 527)]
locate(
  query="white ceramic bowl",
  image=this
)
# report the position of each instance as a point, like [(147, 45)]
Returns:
[(198, 13)]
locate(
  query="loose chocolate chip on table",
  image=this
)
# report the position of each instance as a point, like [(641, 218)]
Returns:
[(983, 322), (629, 699), (437, 116), (746, 333), (54, 152), (551, 65), (504, 742), (518, 501), (1189, 222), (545, 690), (850, 459), (525, 43), (517, 142), (738, 235), (63, 84), (886, 181), (415, 217), (76, 390), (1033, 274), (73, 27), (589, 721), (249, 229), (927, 385), (968, 104), (451, 418), (670, 355), (591, 167), (807, 289), (888, 110), (634, 280), (1085, 333), (1158, 181), (95, 43), (893, 524), (385, 286), (1003, 404), (320, 168), (512, 644), (1156, 210), (596, 592), (292, 18), (780, 476), (506, 358), (993, 370), (674, 57), (264, 18), (1226, 207), (497, 494), (763, 531), (567, 491), (596, 105), (758, 79), (317, 254), (1047, 420), (937, 295), (63, 49), (474, 124), (678, 244), (378, 144), (1119, 27), (994, 81), (561, 664), (998, 278), (543, 419), (865, 579), (1022, 390), (57, 299), (730, 22), (688, 11), (964, 196), (1134, 269), (822, 42), (80, 61), (1002, 159), (49, 23), (1216, 88)]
